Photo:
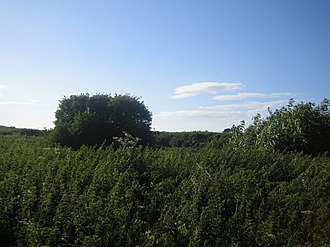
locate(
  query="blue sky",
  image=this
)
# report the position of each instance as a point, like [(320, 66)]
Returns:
[(198, 65)]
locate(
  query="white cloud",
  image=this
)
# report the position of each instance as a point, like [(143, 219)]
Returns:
[(201, 113), (279, 95), (249, 105), (205, 87), (246, 109), (241, 96), (32, 102), (220, 116), (15, 102), (214, 118), (3, 88)]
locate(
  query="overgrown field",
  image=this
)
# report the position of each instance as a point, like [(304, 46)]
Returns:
[(229, 196)]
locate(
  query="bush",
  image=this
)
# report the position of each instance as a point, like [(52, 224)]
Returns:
[(301, 127), (160, 197)]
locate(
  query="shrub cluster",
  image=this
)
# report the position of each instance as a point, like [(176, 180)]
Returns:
[(233, 196), (302, 127)]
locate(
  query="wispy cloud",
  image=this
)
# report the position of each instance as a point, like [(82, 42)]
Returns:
[(2, 88), (279, 95), (253, 106), (31, 102), (250, 108), (205, 87), (244, 105), (241, 96), (239, 110), (201, 113)]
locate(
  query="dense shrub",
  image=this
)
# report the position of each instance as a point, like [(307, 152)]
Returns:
[(129, 196), (301, 127)]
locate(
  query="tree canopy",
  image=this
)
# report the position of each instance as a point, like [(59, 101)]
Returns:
[(93, 120)]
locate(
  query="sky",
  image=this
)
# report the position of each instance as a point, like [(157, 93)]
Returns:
[(197, 65)]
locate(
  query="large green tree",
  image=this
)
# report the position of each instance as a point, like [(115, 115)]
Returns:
[(92, 120)]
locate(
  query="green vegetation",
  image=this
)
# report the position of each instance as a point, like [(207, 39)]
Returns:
[(95, 120), (303, 127), (229, 191), (28, 132), (185, 139)]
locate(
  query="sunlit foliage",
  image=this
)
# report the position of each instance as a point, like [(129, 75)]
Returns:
[(227, 192), (160, 197), (302, 127)]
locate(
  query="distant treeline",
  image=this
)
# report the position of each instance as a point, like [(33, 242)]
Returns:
[(187, 139), (159, 138), (4, 130)]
